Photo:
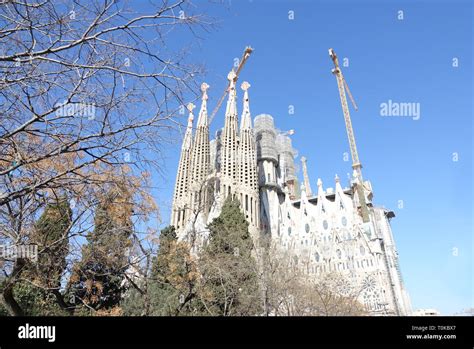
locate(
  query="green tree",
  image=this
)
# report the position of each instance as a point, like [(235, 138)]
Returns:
[(37, 301), (51, 235), (230, 276), (168, 239), (171, 289), (37, 291), (3, 310)]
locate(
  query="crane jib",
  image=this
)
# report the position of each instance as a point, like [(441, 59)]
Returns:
[(248, 50)]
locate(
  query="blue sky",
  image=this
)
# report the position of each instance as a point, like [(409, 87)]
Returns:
[(409, 162)]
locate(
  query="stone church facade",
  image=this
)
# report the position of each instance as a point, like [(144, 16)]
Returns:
[(323, 229)]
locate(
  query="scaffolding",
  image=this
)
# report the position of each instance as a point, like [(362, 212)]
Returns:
[(287, 157), (265, 134)]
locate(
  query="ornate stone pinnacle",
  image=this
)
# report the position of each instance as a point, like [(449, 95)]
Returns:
[(190, 107), (245, 86), (303, 159), (231, 76), (204, 88), (336, 178)]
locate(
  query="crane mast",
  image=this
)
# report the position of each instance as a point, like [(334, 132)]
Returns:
[(248, 50), (356, 165)]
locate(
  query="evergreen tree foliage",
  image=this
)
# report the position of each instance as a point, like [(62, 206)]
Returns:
[(230, 275), (172, 285), (50, 234), (36, 301), (34, 293), (3, 311)]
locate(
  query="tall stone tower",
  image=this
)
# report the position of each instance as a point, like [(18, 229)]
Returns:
[(247, 165), (201, 162), (179, 215), (229, 144), (267, 157), (287, 164), (211, 171)]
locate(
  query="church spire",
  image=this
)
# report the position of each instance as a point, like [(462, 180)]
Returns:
[(203, 119), (188, 136), (246, 122), (200, 158), (247, 165), (178, 215), (231, 108), (306, 177), (229, 141)]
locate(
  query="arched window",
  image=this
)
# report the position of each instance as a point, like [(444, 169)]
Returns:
[(362, 250), (306, 227), (316, 256)]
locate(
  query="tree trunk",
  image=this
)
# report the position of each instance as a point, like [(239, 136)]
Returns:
[(9, 301), (62, 303)]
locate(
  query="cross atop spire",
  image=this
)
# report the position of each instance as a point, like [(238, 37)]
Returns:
[(231, 102), (189, 130), (231, 77), (204, 88), (190, 108), (246, 122), (202, 120)]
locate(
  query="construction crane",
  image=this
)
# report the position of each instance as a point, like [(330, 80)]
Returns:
[(248, 50), (356, 165)]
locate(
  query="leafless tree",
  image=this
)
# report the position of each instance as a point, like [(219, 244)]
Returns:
[(289, 291), (89, 91), (204, 199)]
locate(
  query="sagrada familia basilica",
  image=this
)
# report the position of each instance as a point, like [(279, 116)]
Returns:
[(326, 229)]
